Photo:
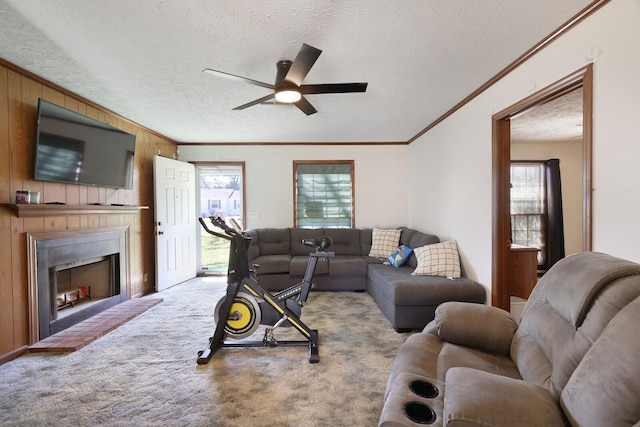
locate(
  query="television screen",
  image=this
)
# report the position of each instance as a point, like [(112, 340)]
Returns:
[(74, 149)]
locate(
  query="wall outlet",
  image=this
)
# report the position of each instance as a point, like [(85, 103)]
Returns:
[(253, 215), (146, 277)]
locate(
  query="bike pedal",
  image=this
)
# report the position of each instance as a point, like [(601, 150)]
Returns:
[(269, 339)]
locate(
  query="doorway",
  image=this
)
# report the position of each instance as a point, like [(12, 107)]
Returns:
[(546, 161), (501, 244), (221, 192)]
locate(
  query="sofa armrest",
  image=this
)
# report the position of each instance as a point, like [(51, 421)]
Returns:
[(476, 325), (253, 251), (477, 398)]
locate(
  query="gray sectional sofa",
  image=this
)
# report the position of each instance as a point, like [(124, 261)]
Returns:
[(408, 301), (574, 359)]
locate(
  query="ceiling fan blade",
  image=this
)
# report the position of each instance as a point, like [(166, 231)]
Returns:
[(307, 56), (305, 106), (238, 78), (333, 88), (256, 102)]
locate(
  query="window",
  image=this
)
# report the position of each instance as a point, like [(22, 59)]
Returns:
[(528, 206), (323, 194)]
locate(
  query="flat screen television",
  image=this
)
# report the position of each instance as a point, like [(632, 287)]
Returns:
[(74, 149)]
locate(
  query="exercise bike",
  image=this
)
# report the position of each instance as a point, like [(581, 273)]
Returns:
[(247, 305)]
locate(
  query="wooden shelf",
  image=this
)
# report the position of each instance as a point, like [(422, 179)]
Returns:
[(42, 210)]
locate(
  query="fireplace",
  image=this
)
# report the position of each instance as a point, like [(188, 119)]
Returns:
[(74, 275)]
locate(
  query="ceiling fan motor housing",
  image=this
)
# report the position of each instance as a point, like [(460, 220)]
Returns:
[(283, 68)]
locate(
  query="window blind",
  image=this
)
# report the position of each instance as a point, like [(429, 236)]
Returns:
[(324, 194)]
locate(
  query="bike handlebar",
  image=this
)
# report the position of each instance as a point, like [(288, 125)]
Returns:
[(218, 222), (321, 244)]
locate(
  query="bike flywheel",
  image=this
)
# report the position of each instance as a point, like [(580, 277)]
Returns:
[(244, 316)]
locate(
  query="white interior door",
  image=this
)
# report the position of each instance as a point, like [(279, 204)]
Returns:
[(175, 221)]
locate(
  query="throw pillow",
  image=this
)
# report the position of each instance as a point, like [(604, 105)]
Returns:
[(439, 259), (384, 242), (399, 257)]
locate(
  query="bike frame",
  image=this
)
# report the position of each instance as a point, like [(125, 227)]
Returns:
[(241, 278)]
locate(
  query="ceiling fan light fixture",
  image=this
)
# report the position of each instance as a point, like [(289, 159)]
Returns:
[(288, 96)]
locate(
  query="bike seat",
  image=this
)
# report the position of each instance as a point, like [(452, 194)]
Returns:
[(323, 243)]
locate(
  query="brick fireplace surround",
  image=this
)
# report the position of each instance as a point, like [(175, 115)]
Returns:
[(47, 251)]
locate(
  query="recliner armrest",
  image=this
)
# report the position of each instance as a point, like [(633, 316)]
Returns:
[(474, 397), (431, 328), (476, 325)]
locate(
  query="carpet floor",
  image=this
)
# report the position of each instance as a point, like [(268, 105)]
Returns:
[(144, 373)]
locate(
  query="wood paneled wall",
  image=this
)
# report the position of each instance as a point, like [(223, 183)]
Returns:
[(19, 93)]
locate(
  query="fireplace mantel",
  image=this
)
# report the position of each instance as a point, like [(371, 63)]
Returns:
[(42, 210)]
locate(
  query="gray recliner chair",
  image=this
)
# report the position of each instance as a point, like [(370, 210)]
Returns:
[(574, 359)]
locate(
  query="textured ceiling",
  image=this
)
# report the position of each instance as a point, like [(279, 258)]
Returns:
[(143, 59), (556, 120)]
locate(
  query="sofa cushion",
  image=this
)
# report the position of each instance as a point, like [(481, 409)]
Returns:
[(403, 289), (475, 397), (299, 234), (548, 359), (417, 240), (298, 266), (270, 264), (373, 260), (366, 236), (439, 259), (453, 355), (583, 277), (345, 241), (274, 241), (347, 265), (384, 242), (406, 235)]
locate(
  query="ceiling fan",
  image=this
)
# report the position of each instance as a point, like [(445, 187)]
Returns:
[(288, 87)]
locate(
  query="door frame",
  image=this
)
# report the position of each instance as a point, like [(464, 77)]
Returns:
[(501, 159)]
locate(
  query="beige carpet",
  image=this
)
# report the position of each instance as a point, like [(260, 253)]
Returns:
[(145, 374)]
